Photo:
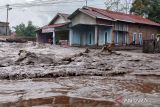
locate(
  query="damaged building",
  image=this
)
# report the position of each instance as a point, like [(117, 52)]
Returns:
[(56, 30), (89, 26)]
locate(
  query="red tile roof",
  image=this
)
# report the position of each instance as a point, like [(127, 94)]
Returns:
[(54, 25), (117, 16), (51, 26)]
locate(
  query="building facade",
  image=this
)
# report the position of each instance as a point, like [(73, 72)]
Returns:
[(91, 26), (55, 31)]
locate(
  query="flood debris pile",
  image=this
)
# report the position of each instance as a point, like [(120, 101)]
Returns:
[(40, 72), (29, 58), (51, 62)]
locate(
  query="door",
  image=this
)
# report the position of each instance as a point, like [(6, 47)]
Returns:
[(134, 38), (140, 39), (106, 37)]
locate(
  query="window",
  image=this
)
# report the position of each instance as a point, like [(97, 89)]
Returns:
[(140, 39)]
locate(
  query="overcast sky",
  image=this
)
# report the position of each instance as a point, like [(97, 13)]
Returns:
[(41, 15)]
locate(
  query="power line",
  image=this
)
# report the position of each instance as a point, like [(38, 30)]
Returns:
[(36, 4)]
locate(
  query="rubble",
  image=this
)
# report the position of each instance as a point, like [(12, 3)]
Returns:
[(55, 62), (28, 58)]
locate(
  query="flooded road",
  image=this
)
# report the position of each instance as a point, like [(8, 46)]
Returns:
[(43, 76), (85, 91), (59, 101)]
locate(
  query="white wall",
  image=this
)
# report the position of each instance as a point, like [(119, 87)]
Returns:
[(82, 18), (102, 35), (3, 29), (60, 19)]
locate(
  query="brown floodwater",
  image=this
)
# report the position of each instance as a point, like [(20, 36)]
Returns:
[(59, 101), (82, 91)]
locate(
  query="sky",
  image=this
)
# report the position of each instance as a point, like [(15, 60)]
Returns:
[(41, 15)]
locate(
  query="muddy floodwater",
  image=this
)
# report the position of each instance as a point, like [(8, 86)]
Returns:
[(80, 92), (47, 76)]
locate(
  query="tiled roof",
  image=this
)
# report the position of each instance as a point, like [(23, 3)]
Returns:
[(54, 25), (117, 16)]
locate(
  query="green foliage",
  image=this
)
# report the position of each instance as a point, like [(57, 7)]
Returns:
[(26, 31), (150, 8)]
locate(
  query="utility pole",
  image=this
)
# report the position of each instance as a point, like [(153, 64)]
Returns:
[(86, 2), (7, 24)]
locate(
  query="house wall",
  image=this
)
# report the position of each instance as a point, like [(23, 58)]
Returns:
[(3, 28), (82, 35), (85, 35), (146, 30), (82, 18), (60, 19), (101, 34), (120, 27)]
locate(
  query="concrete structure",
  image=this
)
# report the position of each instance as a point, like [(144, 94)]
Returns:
[(56, 30), (92, 26), (3, 26)]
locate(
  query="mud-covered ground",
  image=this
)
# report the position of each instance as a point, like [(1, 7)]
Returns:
[(53, 76)]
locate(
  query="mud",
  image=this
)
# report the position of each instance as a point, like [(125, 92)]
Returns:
[(59, 101), (69, 91), (41, 73)]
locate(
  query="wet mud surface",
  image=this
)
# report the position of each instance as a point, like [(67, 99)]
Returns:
[(60, 101), (47, 76)]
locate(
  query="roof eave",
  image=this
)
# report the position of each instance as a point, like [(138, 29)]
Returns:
[(105, 19)]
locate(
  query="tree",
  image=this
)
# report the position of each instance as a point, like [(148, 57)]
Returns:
[(26, 31), (147, 8), (118, 5), (20, 29)]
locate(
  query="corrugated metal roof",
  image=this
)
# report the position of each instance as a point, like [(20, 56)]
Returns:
[(117, 16)]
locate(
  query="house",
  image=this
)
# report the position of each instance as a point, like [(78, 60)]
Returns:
[(4, 27), (56, 30), (95, 27)]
